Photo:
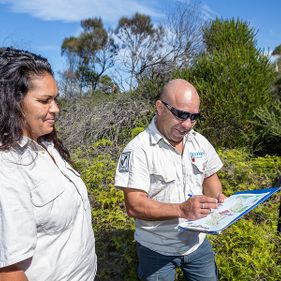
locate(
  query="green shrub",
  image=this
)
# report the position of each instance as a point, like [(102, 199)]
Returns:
[(250, 248), (113, 229), (247, 250), (241, 171), (268, 126), (233, 78)]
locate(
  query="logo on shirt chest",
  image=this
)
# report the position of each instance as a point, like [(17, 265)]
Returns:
[(196, 155)]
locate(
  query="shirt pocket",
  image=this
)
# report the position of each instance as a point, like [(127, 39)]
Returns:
[(54, 207), (161, 184), (198, 167)]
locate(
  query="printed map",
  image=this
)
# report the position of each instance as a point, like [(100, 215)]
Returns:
[(232, 209)]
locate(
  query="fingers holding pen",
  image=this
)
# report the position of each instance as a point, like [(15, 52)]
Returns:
[(221, 197), (204, 202), (198, 206)]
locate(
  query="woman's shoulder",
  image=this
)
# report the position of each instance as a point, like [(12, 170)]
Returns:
[(9, 170), (16, 156), (9, 156)]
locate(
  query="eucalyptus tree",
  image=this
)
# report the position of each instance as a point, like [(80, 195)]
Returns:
[(140, 42), (90, 54)]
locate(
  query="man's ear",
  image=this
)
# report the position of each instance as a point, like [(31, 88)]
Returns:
[(159, 107)]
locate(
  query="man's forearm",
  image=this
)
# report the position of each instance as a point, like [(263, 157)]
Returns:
[(12, 273), (212, 186), (140, 206)]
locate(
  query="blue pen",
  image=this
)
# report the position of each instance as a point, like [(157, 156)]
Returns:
[(189, 195)]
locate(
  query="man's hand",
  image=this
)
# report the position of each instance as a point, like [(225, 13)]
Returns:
[(198, 206), (221, 197)]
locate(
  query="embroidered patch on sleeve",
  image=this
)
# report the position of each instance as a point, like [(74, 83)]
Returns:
[(124, 163)]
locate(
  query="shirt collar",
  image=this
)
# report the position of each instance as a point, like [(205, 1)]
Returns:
[(25, 141), (156, 136)]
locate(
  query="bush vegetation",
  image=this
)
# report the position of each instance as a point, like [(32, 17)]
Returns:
[(240, 115), (89, 119), (234, 79), (248, 250)]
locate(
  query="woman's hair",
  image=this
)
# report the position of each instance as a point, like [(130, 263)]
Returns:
[(17, 67)]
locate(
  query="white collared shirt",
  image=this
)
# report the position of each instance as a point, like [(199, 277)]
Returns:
[(44, 215), (151, 164)]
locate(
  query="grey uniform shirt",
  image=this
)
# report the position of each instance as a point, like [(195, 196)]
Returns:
[(151, 164), (45, 216)]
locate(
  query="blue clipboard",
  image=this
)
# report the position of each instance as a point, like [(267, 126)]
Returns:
[(235, 206)]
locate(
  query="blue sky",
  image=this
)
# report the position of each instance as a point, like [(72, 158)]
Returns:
[(41, 25)]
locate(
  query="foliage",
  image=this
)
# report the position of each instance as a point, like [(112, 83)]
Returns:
[(90, 54), (277, 83), (107, 85), (268, 124), (248, 250), (233, 79), (153, 52), (86, 120), (221, 35), (184, 23), (150, 89), (113, 229), (241, 171), (136, 131), (136, 50), (269, 132), (277, 51), (141, 42)]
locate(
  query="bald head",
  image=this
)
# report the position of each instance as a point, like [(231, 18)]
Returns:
[(179, 92), (177, 103)]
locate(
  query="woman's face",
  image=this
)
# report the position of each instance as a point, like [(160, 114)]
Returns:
[(39, 106)]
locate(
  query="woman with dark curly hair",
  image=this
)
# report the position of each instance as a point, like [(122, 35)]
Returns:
[(45, 217)]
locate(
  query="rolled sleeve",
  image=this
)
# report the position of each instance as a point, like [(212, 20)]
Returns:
[(17, 223)]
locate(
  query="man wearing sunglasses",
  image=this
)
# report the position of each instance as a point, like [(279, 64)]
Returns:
[(168, 173)]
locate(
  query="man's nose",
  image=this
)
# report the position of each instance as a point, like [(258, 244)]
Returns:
[(187, 124)]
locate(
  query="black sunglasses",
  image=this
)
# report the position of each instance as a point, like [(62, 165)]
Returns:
[(182, 115)]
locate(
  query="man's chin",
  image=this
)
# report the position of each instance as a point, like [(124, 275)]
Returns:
[(177, 139), (180, 135)]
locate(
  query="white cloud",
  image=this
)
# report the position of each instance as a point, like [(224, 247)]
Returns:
[(208, 13), (75, 10)]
